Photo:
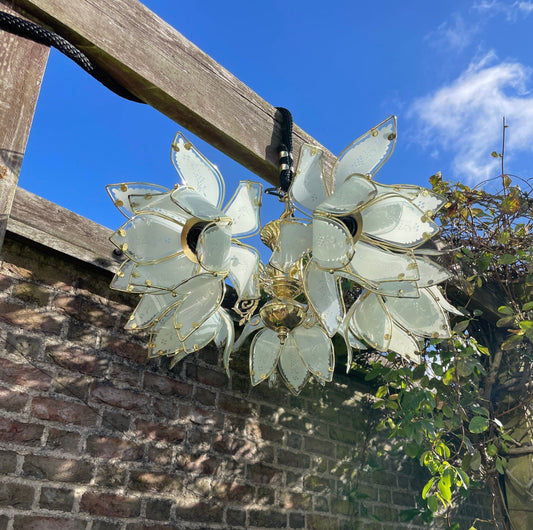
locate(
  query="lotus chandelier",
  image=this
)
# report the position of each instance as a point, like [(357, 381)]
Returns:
[(182, 246)]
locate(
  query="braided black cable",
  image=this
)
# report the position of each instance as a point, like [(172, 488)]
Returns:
[(285, 151), (29, 30)]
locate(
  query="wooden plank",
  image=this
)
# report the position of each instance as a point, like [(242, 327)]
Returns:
[(22, 64), (157, 64), (51, 225)]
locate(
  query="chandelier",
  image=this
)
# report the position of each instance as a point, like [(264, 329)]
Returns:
[(182, 245)]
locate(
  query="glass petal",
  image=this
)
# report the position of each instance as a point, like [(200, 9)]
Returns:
[(196, 171), (202, 296), (422, 316), (167, 274), (214, 245), (195, 204), (164, 339), (244, 271), (349, 196), (368, 153), (122, 279), (371, 322), (308, 188), (291, 367), (244, 208), (439, 297), (119, 194), (323, 292), (333, 246), (316, 351), (264, 354), (430, 272), (148, 238), (204, 334), (177, 357), (425, 199), (250, 327), (397, 221), (228, 332), (404, 344), (150, 308), (295, 239), (160, 204), (376, 264), (402, 289)]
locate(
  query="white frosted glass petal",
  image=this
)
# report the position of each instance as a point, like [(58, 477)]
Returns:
[(333, 246), (423, 198), (160, 204), (347, 273), (307, 187), (167, 274), (250, 327), (148, 238), (177, 357), (355, 343), (119, 194), (244, 208), (368, 153), (396, 220), (204, 334), (201, 297), (404, 344), (213, 247), (122, 279), (291, 366), (376, 264), (195, 204), (244, 271), (430, 272), (422, 316), (264, 354), (403, 289), (371, 322), (196, 171), (323, 292), (150, 308), (349, 196), (439, 297), (316, 351), (294, 240), (164, 339), (225, 334)]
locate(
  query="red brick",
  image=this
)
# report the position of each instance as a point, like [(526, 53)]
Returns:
[(76, 359), (158, 431), (234, 405), (111, 505), (201, 464), (57, 469), (165, 385), (207, 376), (234, 446), (12, 400), (125, 374), (5, 282), (231, 492), (8, 462), (200, 511), (52, 409), (296, 501), (292, 459), (23, 433), (267, 518), (16, 495), (200, 416), (321, 522), (150, 526), (24, 374), (85, 310), (56, 499), (264, 432), (264, 474), (128, 350), (155, 482), (29, 522), (114, 448), (29, 319), (31, 293), (116, 397)]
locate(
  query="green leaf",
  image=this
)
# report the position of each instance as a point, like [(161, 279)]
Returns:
[(445, 490), (478, 424), (501, 464), (475, 463), (412, 450), (428, 486), (433, 503), (512, 342), (461, 326), (505, 321), (505, 310), (528, 306), (507, 259), (409, 515), (492, 450)]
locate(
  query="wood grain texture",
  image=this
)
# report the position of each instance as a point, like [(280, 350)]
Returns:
[(22, 64), (51, 225), (161, 67)]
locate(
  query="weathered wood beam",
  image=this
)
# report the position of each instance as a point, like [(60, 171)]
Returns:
[(157, 64), (22, 64)]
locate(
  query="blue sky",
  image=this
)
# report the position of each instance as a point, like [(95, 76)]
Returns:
[(449, 70)]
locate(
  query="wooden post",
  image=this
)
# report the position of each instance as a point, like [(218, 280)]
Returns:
[(22, 64)]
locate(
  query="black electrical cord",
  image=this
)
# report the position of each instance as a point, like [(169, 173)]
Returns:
[(286, 163), (29, 30)]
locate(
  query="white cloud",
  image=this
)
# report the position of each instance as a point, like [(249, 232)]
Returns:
[(464, 118), (453, 34), (511, 10)]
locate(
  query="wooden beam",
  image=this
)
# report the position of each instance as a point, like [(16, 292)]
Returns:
[(157, 64), (22, 64)]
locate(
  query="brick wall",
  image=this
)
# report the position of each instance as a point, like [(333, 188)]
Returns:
[(95, 437)]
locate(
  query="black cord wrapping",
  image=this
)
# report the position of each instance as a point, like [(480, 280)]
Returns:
[(286, 163), (29, 30)]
